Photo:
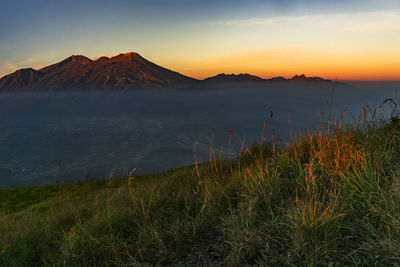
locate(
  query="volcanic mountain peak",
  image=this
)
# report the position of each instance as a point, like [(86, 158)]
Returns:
[(74, 61), (124, 71), (130, 56), (26, 76), (25, 71), (101, 58), (78, 59)]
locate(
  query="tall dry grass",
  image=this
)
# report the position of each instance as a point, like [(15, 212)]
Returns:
[(331, 197)]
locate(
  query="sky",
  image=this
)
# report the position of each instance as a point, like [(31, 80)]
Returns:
[(335, 39)]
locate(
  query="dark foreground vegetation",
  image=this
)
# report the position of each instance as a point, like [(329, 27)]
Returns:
[(331, 198)]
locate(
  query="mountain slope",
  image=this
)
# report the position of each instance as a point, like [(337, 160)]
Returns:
[(125, 71), (20, 79)]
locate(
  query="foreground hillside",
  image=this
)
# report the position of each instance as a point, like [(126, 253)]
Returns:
[(332, 198)]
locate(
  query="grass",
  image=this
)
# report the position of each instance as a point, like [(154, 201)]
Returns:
[(330, 198)]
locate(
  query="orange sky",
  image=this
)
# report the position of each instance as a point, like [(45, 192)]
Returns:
[(359, 45), (289, 61)]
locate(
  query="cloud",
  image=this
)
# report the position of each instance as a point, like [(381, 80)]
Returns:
[(266, 21), (373, 27), (368, 22), (278, 20), (377, 23)]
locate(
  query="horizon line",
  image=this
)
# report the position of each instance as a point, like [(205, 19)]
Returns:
[(203, 77), (261, 76)]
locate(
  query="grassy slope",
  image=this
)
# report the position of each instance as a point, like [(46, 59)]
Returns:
[(327, 199)]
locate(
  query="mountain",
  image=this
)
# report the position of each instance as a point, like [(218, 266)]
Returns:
[(121, 72), (20, 79), (232, 78), (304, 79), (248, 78), (125, 71)]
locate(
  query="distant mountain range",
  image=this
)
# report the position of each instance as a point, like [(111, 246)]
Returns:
[(125, 71), (248, 78)]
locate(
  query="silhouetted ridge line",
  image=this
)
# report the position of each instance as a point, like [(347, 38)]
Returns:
[(121, 72)]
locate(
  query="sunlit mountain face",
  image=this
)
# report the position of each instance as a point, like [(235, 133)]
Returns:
[(124, 71)]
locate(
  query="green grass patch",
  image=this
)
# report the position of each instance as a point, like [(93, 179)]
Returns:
[(331, 198)]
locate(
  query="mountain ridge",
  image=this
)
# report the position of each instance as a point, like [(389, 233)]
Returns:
[(245, 77), (124, 71)]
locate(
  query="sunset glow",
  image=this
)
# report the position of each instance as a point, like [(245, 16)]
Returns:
[(351, 40)]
